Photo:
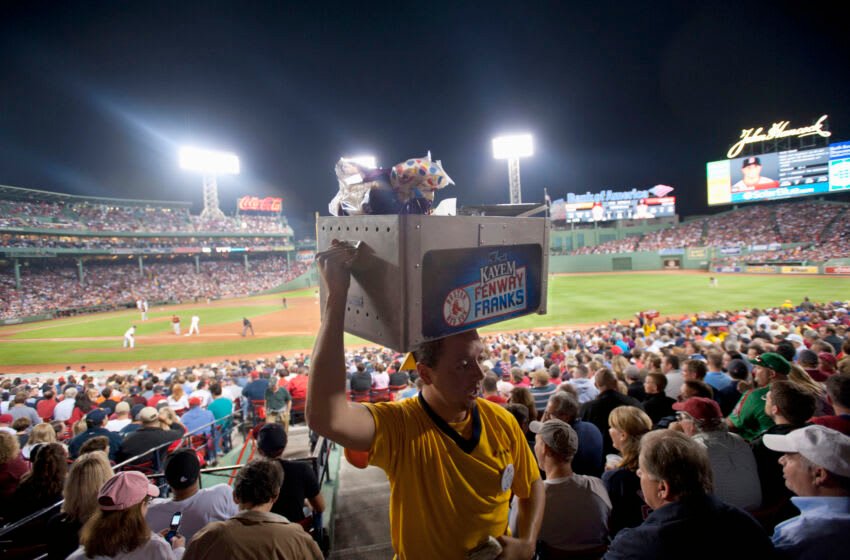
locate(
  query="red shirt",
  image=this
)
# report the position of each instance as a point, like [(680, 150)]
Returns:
[(840, 423), (298, 387), (45, 408), (154, 400), (498, 399)]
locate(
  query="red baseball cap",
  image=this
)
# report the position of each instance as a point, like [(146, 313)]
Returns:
[(700, 408), (194, 401), (124, 490), (6, 418), (255, 374)]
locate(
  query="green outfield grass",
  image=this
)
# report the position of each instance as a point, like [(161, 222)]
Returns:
[(116, 323), (573, 300), (599, 298)]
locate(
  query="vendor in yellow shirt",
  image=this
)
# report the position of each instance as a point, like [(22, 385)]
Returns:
[(715, 335), (453, 459)]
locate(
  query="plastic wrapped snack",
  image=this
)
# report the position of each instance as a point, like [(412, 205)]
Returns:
[(362, 190), (408, 188)]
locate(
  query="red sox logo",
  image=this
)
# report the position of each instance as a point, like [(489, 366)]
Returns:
[(456, 307)]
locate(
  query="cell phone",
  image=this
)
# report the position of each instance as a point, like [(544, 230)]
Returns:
[(175, 524)]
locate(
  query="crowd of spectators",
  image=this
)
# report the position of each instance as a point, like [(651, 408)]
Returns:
[(136, 421), (821, 230), (49, 289), (716, 390), (626, 245), (23, 240), (95, 217)]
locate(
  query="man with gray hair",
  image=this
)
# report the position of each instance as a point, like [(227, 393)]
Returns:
[(588, 458), (676, 481), (65, 408), (816, 467), (575, 518)]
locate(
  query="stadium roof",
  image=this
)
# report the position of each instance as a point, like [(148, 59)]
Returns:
[(18, 193)]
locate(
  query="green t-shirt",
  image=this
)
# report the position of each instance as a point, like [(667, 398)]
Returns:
[(220, 408), (749, 415)]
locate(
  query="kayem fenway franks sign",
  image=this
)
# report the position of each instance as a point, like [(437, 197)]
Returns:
[(775, 131), (267, 204), (468, 288)]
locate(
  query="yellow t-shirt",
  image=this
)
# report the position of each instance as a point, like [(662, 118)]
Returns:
[(443, 501), (716, 338)]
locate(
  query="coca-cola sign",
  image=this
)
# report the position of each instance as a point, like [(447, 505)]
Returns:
[(255, 203)]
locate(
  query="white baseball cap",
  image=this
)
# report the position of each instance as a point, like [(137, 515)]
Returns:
[(822, 446)]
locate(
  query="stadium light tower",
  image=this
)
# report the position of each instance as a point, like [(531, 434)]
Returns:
[(210, 164), (512, 148)]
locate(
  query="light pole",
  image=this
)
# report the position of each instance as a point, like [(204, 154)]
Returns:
[(512, 148), (210, 164)]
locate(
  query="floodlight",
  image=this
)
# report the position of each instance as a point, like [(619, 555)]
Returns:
[(209, 162), (366, 161), (513, 147)]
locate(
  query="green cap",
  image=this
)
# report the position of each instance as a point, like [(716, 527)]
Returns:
[(774, 361)]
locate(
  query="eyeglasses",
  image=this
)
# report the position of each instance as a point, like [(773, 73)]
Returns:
[(684, 416)]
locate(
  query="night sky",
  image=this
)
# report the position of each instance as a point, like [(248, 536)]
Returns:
[(95, 97)]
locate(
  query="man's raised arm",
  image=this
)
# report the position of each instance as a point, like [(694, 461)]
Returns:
[(328, 411)]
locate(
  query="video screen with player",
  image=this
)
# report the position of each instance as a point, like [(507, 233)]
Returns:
[(779, 175)]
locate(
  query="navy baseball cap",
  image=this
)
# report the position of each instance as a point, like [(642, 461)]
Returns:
[(96, 416), (750, 161)]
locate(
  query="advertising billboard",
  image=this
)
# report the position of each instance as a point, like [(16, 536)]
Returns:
[(615, 205), (254, 203)]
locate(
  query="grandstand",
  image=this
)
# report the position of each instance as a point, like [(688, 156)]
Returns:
[(64, 254), (797, 232)]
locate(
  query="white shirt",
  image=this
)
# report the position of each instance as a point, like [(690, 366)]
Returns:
[(195, 319), (208, 505), (63, 410), (231, 392), (381, 380), (180, 404), (117, 425), (130, 332), (204, 395)]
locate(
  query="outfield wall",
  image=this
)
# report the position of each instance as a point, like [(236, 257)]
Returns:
[(617, 262)]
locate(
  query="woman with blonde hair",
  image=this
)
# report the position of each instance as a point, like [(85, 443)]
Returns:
[(177, 400), (117, 528), (40, 433), (168, 417), (627, 425), (618, 367), (801, 378), (84, 480)]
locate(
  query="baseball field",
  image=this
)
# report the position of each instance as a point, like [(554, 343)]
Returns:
[(574, 300)]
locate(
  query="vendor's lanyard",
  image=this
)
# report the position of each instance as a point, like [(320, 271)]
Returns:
[(466, 445)]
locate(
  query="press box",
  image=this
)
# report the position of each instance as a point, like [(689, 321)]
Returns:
[(419, 278)]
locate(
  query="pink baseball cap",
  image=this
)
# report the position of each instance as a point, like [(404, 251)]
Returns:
[(124, 490)]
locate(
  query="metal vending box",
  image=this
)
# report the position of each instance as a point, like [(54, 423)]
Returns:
[(419, 278)]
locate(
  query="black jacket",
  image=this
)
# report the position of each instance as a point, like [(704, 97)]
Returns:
[(597, 411), (696, 528)]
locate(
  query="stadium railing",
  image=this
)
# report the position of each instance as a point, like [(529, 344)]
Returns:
[(6, 545)]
